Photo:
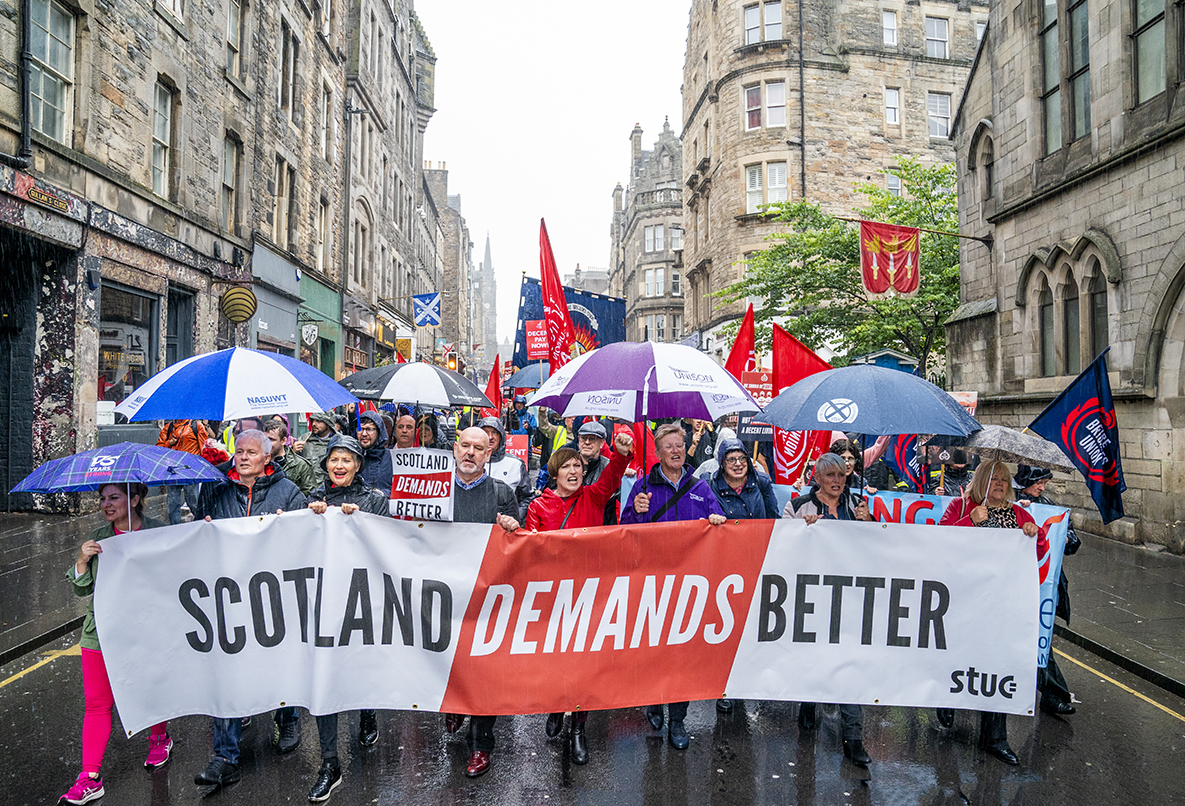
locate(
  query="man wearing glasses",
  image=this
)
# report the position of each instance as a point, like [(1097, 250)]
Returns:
[(669, 492), (372, 435)]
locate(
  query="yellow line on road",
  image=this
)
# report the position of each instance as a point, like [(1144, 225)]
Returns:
[(1166, 709), (52, 656)]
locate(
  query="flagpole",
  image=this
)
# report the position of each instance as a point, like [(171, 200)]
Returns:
[(987, 240)]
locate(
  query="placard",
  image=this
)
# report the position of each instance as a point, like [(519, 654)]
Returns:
[(536, 339), (422, 485)]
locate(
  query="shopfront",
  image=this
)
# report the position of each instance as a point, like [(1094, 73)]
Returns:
[(277, 289), (129, 322), (319, 318)]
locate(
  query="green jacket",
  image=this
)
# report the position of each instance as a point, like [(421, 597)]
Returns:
[(84, 585), (314, 451), (301, 471)]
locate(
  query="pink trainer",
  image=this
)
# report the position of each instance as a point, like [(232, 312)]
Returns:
[(85, 790), (158, 750)]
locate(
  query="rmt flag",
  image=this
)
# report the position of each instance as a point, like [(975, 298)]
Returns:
[(902, 458), (889, 259), (1081, 421)]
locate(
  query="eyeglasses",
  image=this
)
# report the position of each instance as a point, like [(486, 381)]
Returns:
[(369, 429), (735, 460)]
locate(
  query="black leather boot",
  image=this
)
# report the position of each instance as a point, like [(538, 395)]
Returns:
[(806, 716), (579, 744), (555, 723)]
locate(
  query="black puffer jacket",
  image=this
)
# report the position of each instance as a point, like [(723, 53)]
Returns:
[(368, 499), (230, 498)]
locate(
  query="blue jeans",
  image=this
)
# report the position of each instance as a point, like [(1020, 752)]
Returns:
[(175, 494), (227, 733)]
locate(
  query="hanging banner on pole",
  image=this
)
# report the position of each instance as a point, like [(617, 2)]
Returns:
[(890, 258)]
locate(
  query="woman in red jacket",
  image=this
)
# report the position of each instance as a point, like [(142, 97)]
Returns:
[(572, 505), (988, 501)]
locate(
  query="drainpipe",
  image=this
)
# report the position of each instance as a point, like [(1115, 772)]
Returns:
[(801, 99), (25, 157)]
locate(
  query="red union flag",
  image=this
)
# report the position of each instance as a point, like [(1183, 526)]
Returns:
[(889, 258), (560, 334)]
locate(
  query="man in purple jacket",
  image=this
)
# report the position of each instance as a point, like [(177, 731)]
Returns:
[(670, 492)]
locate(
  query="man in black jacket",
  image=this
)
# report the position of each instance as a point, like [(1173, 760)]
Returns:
[(253, 486), (478, 498), (372, 435)]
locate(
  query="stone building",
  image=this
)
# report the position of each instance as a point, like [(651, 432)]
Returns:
[(457, 257), (156, 152), (485, 306), (781, 104), (1069, 142), (591, 279), (389, 86), (647, 239)]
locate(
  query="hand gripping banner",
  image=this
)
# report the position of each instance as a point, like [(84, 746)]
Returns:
[(338, 612)]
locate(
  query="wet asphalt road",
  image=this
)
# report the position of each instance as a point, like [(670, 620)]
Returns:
[(1118, 749)]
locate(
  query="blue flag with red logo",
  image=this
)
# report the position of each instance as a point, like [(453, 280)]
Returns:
[(902, 458), (1081, 421)]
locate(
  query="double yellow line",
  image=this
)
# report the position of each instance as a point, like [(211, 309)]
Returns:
[(52, 656), (1116, 683)]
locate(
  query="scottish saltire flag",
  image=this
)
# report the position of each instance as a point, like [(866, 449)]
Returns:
[(1081, 421), (902, 458), (426, 309)]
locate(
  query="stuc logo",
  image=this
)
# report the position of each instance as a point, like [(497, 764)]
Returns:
[(100, 464), (837, 411)]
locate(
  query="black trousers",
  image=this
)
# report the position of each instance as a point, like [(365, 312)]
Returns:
[(327, 733), (677, 710), (1051, 684), (993, 728), (481, 732), (851, 719)]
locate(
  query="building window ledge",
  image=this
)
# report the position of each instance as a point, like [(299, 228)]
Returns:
[(761, 47), (753, 218), (165, 14)]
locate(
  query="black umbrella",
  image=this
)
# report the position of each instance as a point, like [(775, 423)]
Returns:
[(420, 382)]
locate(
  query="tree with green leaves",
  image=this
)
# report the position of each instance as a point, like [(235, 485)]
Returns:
[(809, 280)]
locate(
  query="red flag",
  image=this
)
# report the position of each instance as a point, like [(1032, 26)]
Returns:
[(494, 393), (794, 361), (560, 333), (889, 258), (399, 359), (743, 356)]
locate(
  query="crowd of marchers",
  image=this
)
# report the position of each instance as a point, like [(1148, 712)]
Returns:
[(572, 479)]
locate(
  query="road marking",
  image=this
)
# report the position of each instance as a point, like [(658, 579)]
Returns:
[(52, 656), (1148, 700)]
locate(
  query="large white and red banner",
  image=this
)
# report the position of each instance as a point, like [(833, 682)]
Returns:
[(337, 612)]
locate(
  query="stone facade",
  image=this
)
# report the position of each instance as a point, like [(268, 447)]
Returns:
[(591, 279), (174, 149), (647, 234), (765, 120), (457, 257), (1084, 203)]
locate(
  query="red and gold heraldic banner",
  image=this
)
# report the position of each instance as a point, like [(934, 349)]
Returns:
[(890, 259), (338, 612)]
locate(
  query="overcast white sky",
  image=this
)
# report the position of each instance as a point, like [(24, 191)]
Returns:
[(535, 102)]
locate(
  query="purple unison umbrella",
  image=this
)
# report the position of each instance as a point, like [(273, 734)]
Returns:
[(124, 463), (646, 381)]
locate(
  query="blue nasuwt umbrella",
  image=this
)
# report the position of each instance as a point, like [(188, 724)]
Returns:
[(868, 399), (234, 383), (124, 463)]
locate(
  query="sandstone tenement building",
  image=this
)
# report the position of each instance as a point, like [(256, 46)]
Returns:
[(647, 236), (784, 101), (1070, 148), (155, 152)]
